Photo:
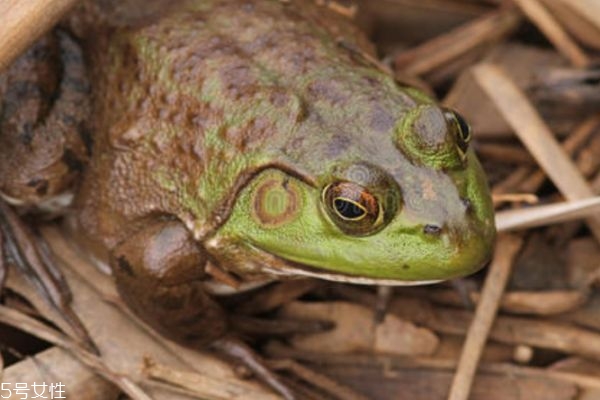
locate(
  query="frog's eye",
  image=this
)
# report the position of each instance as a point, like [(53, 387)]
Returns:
[(433, 136), (352, 208), (461, 130)]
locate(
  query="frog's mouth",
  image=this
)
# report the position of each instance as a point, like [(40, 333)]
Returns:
[(256, 260), (296, 269), (291, 269), (279, 266)]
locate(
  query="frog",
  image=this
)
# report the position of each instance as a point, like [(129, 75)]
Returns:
[(222, 144)]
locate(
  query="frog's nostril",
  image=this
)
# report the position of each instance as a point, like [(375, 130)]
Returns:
[(432, 229)]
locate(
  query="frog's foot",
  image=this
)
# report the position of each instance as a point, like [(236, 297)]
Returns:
[(43, 140), (32, 257), (241, 352)]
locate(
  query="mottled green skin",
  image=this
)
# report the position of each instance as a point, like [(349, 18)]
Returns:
[(195, 111)]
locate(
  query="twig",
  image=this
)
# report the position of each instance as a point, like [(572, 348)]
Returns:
[(319, 380), (527, 198), (494, 286), (535, 134), (534, 302), (58, 365), (504, 153), (535, 332), (201, 385), (444, 48), (513, 180), (586, 381), (542, 18), (525, 179), (428, 363), (348, 11), (22, 22), (27, 324), (531, 217), (276, 295), (571, 144)]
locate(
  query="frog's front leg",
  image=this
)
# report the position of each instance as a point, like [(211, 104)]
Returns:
[(160, 273)]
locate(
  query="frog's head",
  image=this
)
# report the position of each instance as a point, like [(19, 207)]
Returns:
[(417, 210)]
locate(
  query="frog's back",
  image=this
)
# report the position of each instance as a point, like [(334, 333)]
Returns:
[(188, 105)]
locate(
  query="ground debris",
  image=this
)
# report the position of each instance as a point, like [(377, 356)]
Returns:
[(525, 74)]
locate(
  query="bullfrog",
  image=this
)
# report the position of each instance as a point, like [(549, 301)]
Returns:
[(225, 143)]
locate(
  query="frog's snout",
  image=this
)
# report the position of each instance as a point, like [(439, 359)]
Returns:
[(454, 216)]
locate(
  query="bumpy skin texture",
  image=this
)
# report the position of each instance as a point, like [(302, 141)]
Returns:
[(218, 128), (192, 107), (199, 100)]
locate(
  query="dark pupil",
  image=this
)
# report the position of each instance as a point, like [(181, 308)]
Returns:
[(464, 127), (348, 209)]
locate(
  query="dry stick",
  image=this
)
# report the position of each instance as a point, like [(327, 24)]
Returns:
[(546, 23), (346, 11), (22, 22), (515, 198), (496, 281), (535, 332), (596, 183), (195, 384), (526, 179), (571, 144), (535, 134), (523, 218), (512, 180), (547, 302), (33, 327), (504, 153), (392, 362), (276, 295), (58, 365), (578, 378), (324, 383), (442, 49)]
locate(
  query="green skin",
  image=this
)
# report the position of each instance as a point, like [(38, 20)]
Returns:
[(230, 121)]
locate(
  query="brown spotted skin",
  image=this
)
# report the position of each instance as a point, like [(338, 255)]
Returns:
[(188, 106)]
